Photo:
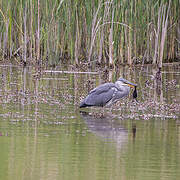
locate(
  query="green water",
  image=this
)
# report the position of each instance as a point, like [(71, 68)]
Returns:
[(43, 134)]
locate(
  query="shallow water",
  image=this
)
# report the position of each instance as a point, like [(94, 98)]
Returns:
[(43, 134)]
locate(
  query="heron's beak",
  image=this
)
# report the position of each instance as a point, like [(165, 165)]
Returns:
[(130, 84)]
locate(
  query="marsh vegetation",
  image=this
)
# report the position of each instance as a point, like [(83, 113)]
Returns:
[(103, 32)]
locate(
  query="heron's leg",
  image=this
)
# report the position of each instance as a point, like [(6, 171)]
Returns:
[(111, 109), (103, 110)]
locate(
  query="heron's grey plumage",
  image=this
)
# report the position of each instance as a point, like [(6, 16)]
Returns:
[(108, 93)]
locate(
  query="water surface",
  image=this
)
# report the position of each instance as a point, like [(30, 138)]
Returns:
[(43, 134)]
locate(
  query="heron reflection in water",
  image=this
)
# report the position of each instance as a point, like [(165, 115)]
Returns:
[(105, 128), (108, 93)]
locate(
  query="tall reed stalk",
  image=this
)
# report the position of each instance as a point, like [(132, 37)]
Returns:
[(160, 34), (165, 16), (111, 58), (25, 36), (38, 32)]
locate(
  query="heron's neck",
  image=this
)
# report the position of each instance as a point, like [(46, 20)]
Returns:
[(120, 84)]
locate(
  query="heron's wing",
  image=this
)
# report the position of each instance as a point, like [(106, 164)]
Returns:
[(102, 88), (99, 99), (100, 95)]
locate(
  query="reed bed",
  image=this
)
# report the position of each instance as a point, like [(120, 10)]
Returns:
[(108, 32)]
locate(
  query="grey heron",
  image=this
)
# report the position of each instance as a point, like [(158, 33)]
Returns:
[(108, 93)]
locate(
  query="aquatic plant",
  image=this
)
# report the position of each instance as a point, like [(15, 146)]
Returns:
[(106, 32)]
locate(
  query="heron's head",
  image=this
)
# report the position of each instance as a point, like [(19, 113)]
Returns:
[(126, 82)]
